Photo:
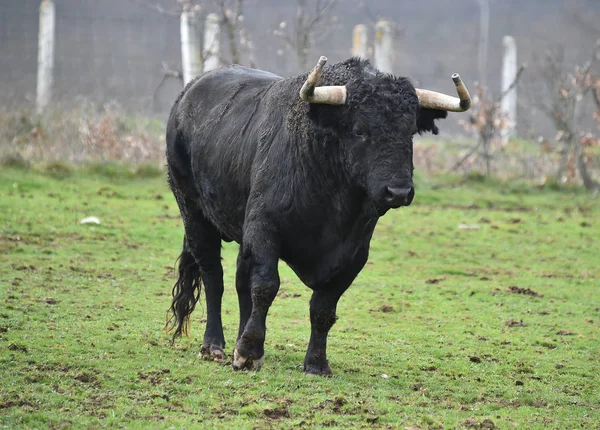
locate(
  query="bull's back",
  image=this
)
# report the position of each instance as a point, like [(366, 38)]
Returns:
[(218, 126)]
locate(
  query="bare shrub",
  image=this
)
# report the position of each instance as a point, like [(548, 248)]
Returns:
[(81, 134)]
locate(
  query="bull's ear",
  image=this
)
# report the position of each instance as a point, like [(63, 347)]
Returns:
[(426, 119)]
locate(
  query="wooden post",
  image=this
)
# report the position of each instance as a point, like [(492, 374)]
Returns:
[(509, 73), (190, 47), (359, 41), (384, 46), (212, 41), (45, 55)]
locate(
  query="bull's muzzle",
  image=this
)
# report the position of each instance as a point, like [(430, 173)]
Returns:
[(396, 197)]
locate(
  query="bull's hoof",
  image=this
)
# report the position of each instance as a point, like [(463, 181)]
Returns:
[(318, 370), (212, 353), (246, 363)]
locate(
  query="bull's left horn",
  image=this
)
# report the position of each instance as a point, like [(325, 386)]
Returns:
[(331, 95), (434, 100)]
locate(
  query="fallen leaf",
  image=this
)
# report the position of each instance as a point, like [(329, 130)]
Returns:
[(468, 227)]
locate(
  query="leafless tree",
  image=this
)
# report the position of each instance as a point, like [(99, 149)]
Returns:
[(173, 11), (312, 17), (231, 18), (566, 90), (230, 12), (488, 121)]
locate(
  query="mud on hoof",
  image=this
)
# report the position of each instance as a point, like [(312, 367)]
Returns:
[(212, 353), (247, 363), (318, 370)]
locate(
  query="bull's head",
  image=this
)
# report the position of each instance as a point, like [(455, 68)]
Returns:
[(377, 118)]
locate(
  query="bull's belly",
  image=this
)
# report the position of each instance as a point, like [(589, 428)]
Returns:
[(227, 219), (317, 267), (219, 206)]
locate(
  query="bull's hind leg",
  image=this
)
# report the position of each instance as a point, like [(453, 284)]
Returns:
[(204, 242), (323, 305), (186, 294), (201, 258)]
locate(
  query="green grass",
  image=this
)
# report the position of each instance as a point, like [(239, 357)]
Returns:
[(429, 336)]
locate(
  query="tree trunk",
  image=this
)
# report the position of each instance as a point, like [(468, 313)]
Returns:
[(588, 181), (564, 157)]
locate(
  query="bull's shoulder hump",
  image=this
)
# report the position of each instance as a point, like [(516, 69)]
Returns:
[(221, 85), (238, 74)]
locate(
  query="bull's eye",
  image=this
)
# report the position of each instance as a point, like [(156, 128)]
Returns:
[(357, 132)]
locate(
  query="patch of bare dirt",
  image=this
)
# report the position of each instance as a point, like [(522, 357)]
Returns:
[(51, 367), (286, 295), (486, 424), (64, 424), (86, 378), (17, 347), (525, 291), (22, 267), (515, 323), (12, 403), (386, 308), (154, 377), (277, 412)]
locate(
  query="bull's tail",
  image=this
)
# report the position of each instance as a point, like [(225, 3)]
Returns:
[(186, 293)]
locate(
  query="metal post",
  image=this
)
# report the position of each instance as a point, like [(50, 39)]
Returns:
[(45, 55)]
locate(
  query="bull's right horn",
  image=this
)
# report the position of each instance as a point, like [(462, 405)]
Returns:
[(332, 95), (434, 100)]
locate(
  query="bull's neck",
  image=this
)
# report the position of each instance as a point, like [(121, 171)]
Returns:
[(318, 154)]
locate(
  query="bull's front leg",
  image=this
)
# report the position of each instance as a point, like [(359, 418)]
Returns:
[(323, 305), (264, 285)]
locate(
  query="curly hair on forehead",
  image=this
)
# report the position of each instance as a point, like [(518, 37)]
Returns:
[(387, 95)]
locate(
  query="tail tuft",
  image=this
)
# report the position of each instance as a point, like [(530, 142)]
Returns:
[(186, 293)]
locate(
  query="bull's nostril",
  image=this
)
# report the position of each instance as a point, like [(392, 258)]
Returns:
[(410, 197), (396, 197)]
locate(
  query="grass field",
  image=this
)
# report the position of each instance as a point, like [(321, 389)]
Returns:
[(479, 308)]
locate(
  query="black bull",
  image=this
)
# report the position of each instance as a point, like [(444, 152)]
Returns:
[(305, 182)]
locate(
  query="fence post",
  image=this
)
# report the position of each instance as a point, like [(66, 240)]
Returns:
[(45, 55), (212, 42), (384, 46), (359, 41), (190, 47), (509, 73)]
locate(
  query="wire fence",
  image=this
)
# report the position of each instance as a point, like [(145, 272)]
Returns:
[(109, 56), (104, 51), (113, 50)]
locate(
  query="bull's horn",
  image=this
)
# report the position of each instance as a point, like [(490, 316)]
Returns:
[(433, 100), (331, 95)]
